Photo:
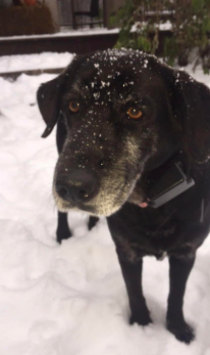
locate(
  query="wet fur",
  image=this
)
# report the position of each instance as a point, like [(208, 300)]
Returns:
[(124, 154)]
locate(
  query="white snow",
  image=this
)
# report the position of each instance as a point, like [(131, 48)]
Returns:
[(70, 298), (69, 33), (165, 26), (44, 60)]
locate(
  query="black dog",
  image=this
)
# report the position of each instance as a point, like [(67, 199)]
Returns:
[(127, 125)]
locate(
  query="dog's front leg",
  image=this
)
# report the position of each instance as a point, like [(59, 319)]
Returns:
[(132, 273), (92, 222), (179, 272), (63, 231)]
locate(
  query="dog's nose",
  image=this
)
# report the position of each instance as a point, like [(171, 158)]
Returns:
[(76, 187)]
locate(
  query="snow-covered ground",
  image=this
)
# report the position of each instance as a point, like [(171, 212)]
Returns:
[(70, 299), (46, 60)]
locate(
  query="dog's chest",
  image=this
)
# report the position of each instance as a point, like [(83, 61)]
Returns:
[(137, 234), (136, 245)]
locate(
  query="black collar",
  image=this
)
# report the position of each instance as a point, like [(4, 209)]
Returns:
[(168, 180)]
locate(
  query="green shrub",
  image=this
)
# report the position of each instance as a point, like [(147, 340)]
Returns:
[(190, 26)]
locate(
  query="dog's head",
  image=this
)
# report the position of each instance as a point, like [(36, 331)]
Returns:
[(123, 112)]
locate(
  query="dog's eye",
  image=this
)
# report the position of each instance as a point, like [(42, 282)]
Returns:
[(134, 113), (74, 106)]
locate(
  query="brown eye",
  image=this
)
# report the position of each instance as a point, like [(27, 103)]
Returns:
[(74, 106), (134, 113)]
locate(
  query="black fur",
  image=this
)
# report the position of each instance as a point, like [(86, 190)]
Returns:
[(125, 155)]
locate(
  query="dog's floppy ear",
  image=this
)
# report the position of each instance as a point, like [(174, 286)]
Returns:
[(191, 105), (48, 98)]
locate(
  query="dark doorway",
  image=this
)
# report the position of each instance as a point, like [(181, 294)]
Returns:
[(81, 13)]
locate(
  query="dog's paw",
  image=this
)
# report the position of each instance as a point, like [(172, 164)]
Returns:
[(141, 318), (182, 331), (92, 222), (62, 234)]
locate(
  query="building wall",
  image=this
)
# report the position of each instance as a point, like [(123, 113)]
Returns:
[(65, 10), (53, 5)]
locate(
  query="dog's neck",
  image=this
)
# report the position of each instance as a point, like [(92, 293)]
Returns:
[(159, 161), (161, 157)]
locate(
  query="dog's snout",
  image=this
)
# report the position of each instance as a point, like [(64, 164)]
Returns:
[(76, 187)]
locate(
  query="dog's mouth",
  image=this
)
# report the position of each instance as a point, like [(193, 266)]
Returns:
[(92, 208), (104, 203), (64, 206)]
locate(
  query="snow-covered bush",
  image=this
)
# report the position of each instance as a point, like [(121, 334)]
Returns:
[(188, 21)]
